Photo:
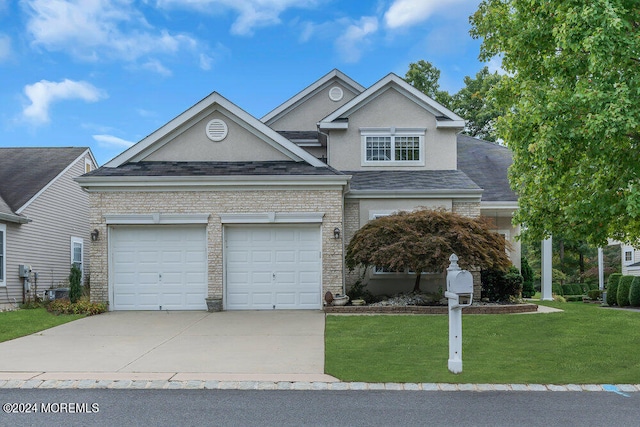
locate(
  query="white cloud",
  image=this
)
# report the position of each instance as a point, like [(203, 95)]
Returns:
[(205, 61), (354, 40), (44, 93), (157, 67), (112, 141), (5, 47), (96, 28), (405, 13), (252, 14)]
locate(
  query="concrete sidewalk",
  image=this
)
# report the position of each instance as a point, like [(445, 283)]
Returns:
[(176, 345)]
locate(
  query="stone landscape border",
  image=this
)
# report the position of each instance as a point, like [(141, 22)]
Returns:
[(415, 309)]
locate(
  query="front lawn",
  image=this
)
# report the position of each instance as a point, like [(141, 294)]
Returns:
[(15, 324), (584, 344)]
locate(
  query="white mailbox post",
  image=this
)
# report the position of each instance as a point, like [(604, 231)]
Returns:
[(459, 294)]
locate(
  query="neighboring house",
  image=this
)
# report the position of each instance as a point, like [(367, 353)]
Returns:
[(257, 213), (44, 218), (630, 260)]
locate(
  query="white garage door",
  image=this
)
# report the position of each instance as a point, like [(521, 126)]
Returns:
[(273, 267), (158, 267)]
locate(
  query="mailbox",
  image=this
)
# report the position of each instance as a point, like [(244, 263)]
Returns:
[(460, 282)]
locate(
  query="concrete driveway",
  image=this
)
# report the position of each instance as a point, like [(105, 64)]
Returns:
[(233, 345)]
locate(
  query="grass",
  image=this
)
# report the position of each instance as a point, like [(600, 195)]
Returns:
[(582, 345), (15, 324)]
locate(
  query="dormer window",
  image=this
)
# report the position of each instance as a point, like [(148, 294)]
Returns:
[(392, 146)]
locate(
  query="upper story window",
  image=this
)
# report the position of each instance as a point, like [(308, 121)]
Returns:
[(628, 255), (392, 146)]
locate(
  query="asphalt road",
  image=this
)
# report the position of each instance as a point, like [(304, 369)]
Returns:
[(323, 408)]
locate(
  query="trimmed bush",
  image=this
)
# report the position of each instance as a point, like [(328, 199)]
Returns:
[(75, 281), (577, 289), (82, 306), (556, 289), (634, 292), (566, 290), (594, 294), (528, 290), (498, 285), (612, 288), (623, 290)]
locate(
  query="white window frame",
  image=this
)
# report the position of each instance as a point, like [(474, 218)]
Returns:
[(393, 133), (3, 255), (87, 163), (628, 250), (80, 241)]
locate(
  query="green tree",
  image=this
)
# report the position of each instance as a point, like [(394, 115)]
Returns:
[(528, 290), (476, 103), (572, 112), (425, 77), (422, 241)]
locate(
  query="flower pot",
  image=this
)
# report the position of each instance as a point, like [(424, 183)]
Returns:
[(214, 304)]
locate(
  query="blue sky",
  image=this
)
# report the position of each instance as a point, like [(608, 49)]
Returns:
[(106, 73)]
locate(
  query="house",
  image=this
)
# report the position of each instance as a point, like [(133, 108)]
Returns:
[(44, 218), (257, 213), (630, 260)]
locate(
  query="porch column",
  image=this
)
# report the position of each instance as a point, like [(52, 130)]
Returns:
[(546, 270), (600, 269)]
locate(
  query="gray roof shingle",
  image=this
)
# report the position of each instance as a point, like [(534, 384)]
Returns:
[(213, 169), (26, 170), (487, 164), (428, 180)]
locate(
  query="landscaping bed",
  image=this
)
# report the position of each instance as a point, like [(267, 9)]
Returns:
[(408, 309)]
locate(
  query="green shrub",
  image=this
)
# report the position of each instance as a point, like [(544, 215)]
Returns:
[(612, 288), (634, 292), (528, 290), (578, 289), (75, 284), (498, 285), (567, 290), (556, 289), (82, 306), (594, 294), (624, 286), (358, 291), (573, 298)]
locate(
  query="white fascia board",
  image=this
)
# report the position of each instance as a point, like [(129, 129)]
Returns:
[(458, 124), (312, 88), (499, 205), (19, 219), (333, 125), (199, 182), (411, 92), (413, 194), (156, 218), (50, 183), (272, 218), (281, 143)]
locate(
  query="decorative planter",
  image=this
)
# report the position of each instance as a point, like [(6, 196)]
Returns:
[(214, 304), (340, 300)]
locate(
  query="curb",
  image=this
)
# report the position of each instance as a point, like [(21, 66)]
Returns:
[(306, 386)]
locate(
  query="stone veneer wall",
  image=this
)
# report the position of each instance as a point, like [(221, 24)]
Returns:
[(214, 203)]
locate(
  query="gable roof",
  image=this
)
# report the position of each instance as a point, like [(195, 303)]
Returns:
[(444, 117), (487, 164), (313, 88), (25, 172), (211, 103)]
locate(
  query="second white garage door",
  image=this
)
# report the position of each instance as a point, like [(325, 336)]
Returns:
[(273, 267), (158, 267)]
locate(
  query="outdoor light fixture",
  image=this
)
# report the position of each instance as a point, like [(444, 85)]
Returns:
[(336, 233), (94, 234)]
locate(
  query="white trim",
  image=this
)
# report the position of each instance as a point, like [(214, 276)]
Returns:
[(392, 133), (334, 125), (414, 194), (80, 241), (3, 253), (319, 84), (272, 218), (155, 218), (630, 250), (50, 183)]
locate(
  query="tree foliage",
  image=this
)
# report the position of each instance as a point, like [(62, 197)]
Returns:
[(422, 241), (75, 281), (572, 112), (425, 77)]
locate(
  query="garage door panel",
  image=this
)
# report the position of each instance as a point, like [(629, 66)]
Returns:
[(280, 262), (159, 267)]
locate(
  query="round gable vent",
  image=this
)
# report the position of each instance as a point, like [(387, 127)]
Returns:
[(336, 93), (217, 130)]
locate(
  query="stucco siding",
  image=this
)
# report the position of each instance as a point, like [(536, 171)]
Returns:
[(194, 145), (329, 201), (305, 116), (58, 214), (392, 109)]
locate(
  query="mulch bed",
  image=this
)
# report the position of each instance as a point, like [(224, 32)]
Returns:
[(414, 309)]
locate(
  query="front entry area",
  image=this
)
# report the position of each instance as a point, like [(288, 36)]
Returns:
[(273, 267), (158, 267)]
